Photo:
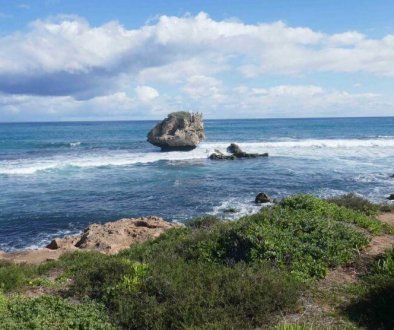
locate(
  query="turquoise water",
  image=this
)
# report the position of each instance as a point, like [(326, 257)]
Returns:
[(55, 178)]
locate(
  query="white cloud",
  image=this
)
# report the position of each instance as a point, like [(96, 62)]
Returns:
[(70, 64), (68, 48), (146, 93)]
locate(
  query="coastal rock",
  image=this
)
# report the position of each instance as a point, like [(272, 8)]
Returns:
[(180, 131), (262, 198), (108, 238), (391, 197), (236, 152)]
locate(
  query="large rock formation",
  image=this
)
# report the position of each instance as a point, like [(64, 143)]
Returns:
[(235, 152), (179, 131)]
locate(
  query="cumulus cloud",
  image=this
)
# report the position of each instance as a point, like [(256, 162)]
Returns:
[(146, 93), (65, 59), (67, 56)]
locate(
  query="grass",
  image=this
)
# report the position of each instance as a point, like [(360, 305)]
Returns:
[(50, 312), (210, 274), (356, 203), (373, 307)]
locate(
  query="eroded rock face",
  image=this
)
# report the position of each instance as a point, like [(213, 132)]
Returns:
[(179, 131), (114, 236), (108, 238)]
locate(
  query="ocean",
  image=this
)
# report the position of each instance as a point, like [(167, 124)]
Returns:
[(56, 178)]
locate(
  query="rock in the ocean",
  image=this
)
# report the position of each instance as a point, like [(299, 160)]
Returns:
[(179, 131), (235, 152), (391, 197), (262, 198)]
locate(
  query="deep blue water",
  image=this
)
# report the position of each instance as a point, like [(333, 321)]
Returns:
[(55, 178)]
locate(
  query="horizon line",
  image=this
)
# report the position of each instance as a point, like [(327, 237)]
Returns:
[(213, 119)]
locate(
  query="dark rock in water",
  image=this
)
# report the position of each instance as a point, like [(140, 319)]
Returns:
[(221, 156), (392, 176), (391, 197), (231, 210), (180, 131), (234, 149), (262, 198), (236, 152)]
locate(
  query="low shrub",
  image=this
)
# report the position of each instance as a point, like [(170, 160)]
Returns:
[(49, 312), (182, 294), (374, 308), (356, 203), (333, 211), (13, 277), (205, 221)]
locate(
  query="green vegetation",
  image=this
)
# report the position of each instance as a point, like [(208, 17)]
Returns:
[(49, 312), (374, 307), (357, 203), (210, 274)]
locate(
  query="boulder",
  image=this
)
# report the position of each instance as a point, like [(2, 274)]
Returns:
[(391, 197), (234, 149), (262, 198), (180, 131)]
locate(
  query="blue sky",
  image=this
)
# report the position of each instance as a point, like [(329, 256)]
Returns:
[(103, 60)]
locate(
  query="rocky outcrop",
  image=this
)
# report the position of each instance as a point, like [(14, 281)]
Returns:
[(179, 131), (108, 238), (391, 197), (262, 198), (235, 152)]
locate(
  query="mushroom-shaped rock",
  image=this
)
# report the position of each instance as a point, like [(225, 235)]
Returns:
[(180, 131)]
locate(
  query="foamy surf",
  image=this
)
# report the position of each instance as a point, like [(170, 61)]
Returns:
[(314, 148)]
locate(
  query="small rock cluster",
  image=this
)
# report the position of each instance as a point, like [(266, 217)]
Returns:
[(235, 153)]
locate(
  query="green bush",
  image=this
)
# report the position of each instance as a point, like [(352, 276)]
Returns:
[(49, 312), (182, 294), (205, 221), (374, 308), (330, 210), (13, 277), (356, 203)]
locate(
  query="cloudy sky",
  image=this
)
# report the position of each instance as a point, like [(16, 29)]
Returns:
[(118, 59)]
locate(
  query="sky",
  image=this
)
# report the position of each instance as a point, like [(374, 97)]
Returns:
[(67, 60)]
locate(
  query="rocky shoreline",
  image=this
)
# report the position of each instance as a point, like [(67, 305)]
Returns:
[(107, 238)]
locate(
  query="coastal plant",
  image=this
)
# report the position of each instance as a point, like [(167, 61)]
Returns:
[(184, 294), (356, 203), (333, 211), (205, 221), (50, 312), (373, 307), (13, 276)]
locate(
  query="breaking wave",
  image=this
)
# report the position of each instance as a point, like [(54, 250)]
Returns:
[(315, 148)]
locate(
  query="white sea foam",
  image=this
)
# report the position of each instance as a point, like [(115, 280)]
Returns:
[(381, 147), (240, 207)]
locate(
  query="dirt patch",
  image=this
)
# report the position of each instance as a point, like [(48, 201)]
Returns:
[(387, 218)]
